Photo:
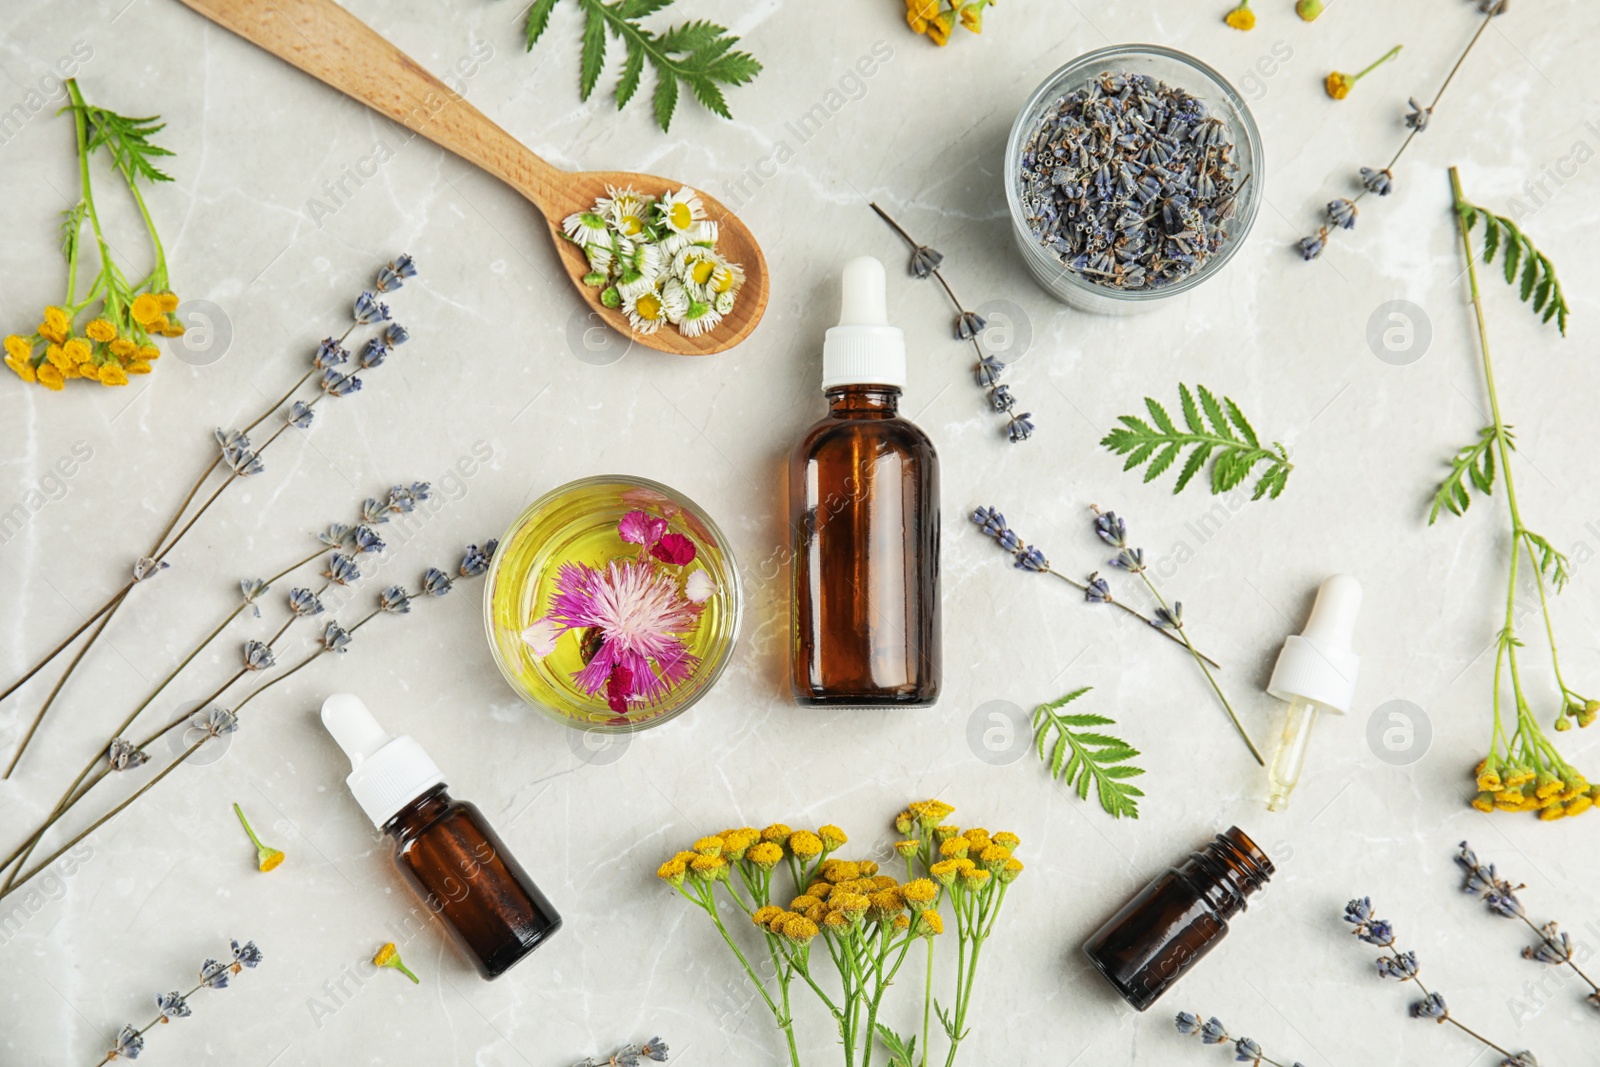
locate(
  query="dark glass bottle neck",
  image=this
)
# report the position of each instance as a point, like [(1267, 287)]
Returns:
[(1227, 870), (856, 401), (416, 816)]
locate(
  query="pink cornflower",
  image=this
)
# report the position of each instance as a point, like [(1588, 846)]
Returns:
[(642, 618)]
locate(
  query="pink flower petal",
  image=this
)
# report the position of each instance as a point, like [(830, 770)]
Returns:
[(675, 549), (699, 587), (541, 636), (641, 528)]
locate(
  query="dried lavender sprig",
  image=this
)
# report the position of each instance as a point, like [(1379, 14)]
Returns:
[(337, 535), (1030, 559), (1169, 617), (1212, 1032), (242, 463), (969, 326), (630, 1055), (214, 974), (1403, 967), (1341, 213), (474, 563), (1500, 897)]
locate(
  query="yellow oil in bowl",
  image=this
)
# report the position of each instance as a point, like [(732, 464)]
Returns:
[(578, 525)]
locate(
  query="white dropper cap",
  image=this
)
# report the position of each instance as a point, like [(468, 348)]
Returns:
[(1319, 665), (864, 349), (386, 772)]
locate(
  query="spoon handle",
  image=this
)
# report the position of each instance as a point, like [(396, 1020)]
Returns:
[(332, 45)]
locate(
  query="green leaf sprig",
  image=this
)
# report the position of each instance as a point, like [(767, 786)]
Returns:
[(1539, 287), (1229, 442), (1088, 759), (698, 54)]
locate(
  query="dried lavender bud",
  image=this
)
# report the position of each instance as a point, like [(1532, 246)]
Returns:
[(1418, 119), (1342, 213), (1129, 183), (1377, 181)]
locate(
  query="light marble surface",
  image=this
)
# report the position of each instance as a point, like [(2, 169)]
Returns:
[(490, 370)]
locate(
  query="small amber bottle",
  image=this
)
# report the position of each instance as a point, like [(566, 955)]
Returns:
[(454, 861), (864, 510), (1178, 918)]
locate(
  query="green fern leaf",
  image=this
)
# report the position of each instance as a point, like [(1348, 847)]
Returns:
[(1214, 431)]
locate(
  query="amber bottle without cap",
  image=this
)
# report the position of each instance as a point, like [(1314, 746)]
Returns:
[(864, 511), (448, 853), (1178, 918)]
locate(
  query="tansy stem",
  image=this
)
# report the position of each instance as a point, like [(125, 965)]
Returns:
[(1375, 64), (254, 840)]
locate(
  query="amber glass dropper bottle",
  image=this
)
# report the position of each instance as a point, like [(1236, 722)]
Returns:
[(453, 860), (864, 512)]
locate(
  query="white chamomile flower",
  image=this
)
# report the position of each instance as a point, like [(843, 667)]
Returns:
[(698, 319), (650, 261), (696, 266), (599, 256), (586, 228), (681, 210), (674, 299), (723, 302), (645, 308), (727, 279), (634, 285), (628, 212), (703, 232)]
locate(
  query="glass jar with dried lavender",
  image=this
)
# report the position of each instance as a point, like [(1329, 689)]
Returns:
[(1132, 174)]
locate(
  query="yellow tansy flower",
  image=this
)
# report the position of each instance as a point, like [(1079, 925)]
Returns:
[(955, 848), (930, 923), (121, 347), (1338, 84), (765, 914), (945, 871), (100, 330), (902, 922), (835, 919), (833, 837), (389, 956), (170, 328), (146, 309), (766, 855), (805, 844), (85, 370), (58, 357), (868, 868), (138, 366), (799, 929), (672, 871), (921, 891), (149, 353), (777, 833), (703, 866), (939, 27), (49, 376), (78, 350), (918, 12), (851, 902), (908, 848), (19, 348), (168, 301), (23, 368), (974, 877), (709, 846), (1009, 872), (111, 374), (1241, 17), (1007, 839), (57, 325), (972, 17)]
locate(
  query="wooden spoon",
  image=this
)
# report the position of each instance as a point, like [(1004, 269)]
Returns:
[(330, 44)]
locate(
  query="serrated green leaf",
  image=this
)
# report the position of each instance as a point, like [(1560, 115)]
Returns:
[(1530, 275), (1161, 462), (1213, 410), (1191, 413), (593, 53), (1088, 760), (1491, 241), (1215, 431), (666, 98), (1240, 422), (538, 20), (1512, 258), (1159, 415), (632, 72)]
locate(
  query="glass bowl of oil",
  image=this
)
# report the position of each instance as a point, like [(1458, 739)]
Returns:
[(612, 604)]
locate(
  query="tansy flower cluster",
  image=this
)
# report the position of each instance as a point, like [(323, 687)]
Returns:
[(123, 316), (868, 919), (937, 19), (56, 352), (1535, 781), (656, 259)]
